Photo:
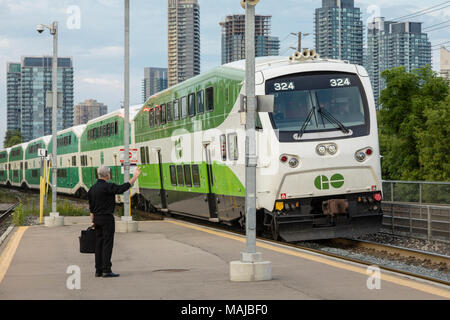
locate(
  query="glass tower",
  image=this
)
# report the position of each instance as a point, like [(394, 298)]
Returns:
[(339, 31), (155, 80), (183, 40), (393, 44), (233, 38), (35, 81)]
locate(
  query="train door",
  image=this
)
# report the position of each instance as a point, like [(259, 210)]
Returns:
[(161, 180), (212, 201)]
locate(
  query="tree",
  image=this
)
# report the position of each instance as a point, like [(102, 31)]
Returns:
[(414, 124), (12, 138)]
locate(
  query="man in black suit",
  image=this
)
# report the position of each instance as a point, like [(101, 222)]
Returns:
[(101, 204)]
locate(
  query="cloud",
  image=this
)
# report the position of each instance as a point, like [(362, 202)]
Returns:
[(4, 43)]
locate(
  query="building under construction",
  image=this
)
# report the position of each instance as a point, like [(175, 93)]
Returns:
[(233, 38)]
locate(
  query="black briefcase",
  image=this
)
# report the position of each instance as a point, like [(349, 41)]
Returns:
[(87, 241)]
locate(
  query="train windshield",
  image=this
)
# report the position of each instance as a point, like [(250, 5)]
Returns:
[(320, 102)]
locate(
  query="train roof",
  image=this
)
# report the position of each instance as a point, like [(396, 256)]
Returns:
[(119, 112), (23, 145), (45, 138), (78, 130), (271, 62)]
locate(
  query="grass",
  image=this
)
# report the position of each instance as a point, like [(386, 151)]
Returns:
[(63, 206), (7, 197), (19, 215)]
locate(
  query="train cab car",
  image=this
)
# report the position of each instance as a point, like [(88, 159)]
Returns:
[(33, 161), (179, 173), (318, 167)]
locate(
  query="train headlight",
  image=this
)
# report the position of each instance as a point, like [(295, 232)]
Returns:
[(360, 156), (332, 149), (293, 162), (321, 150)]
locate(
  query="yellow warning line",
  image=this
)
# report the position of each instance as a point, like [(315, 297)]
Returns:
[(386, 277), (8, 254)]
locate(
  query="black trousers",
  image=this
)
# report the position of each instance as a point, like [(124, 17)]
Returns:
[(104, 242)]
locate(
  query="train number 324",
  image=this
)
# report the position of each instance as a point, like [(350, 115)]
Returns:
[(340, 82)]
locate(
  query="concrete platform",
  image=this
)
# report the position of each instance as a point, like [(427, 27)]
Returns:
[(176, 260)]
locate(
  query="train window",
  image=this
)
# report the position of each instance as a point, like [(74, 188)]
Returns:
[(157, 116), (227, 93), (223, 147), (151, 119), (163, 114), (61, 173), (176, 110), (209, 99), (183, 107), (142, 149), (195, 175), (187, 175), (74, 161), (26, 165), (169, 112), (180, 175), (200, 102), (173, 176), (233, 151), (147, 154), (116, 127), (192, 104)]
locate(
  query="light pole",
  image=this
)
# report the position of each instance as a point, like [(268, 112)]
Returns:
[(250, 267), (53, 28), (126, 109), (126, 224)]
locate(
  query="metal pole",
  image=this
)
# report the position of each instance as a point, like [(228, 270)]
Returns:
[(250, 146), (126, 107), (299, 42), (54, 32)]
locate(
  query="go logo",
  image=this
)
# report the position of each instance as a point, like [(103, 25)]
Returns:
[(323, 183)]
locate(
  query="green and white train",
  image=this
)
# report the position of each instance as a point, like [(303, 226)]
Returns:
[(318, 171)]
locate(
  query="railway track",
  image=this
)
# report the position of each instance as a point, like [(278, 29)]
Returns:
[(8, 211)]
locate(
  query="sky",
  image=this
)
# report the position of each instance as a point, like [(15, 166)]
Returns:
[(91, 32)]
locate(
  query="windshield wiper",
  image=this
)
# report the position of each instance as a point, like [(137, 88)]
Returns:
[(308, 118), (305, 124), (327, 115)]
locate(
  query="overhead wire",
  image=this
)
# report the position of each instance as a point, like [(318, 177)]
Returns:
[(422, 12)]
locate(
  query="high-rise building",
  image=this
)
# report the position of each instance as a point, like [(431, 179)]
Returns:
[(339, 31), (445, 63), (13, 96), (87, 110), (184, 40), (233, 38), (393, 44), (155, 80), (30, 87)]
